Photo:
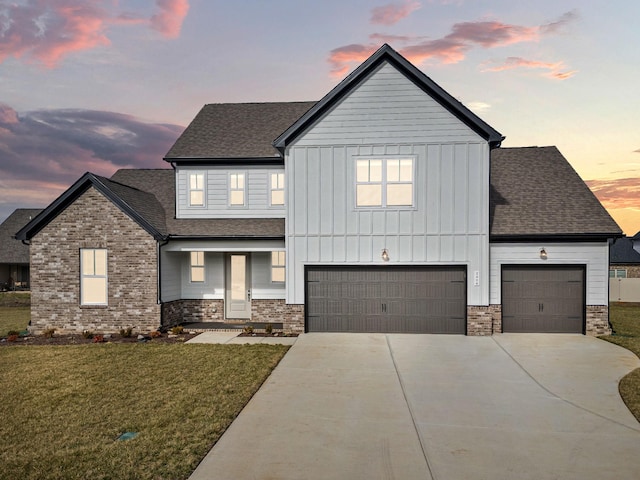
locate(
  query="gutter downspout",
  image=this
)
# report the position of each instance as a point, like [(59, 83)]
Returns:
[(159, 246)]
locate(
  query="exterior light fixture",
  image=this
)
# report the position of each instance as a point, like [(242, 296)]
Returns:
[(385, 255), (543, 254)]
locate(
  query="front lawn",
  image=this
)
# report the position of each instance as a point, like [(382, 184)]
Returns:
[(625, 319), (15, 312), (64, 407)]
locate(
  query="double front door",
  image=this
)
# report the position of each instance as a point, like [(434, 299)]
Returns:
[(238, 286)]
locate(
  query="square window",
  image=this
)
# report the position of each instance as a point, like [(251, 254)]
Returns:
[(386, 182)]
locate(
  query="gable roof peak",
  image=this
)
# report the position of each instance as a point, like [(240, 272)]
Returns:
[(387, 54)]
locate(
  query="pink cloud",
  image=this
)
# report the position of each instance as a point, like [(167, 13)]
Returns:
[(393, 12), (617, 193), (48, 30), (340, 58), (554, 69), (453, 47), (169, 20)]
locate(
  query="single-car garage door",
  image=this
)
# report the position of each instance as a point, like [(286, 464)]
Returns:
[(544, 299), (386, 299)]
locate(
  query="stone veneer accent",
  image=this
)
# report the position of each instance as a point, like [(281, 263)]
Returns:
[(201, 310), (598, 320), (291, 316), (93, 221)]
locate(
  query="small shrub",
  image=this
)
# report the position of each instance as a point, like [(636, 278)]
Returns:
[(98, 339), (268, 329), (13, 332), (248, 329), (48, 333), (88, 334), (12, 338), (126, 332), (155, 334), (177, 330)]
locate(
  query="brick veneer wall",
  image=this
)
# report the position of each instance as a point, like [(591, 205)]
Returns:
[(204, 310), (479, 321), (291, 316), (93, 221), (598, 320)]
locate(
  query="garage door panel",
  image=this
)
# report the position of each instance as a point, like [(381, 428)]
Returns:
[(543, 299), (386, 299)]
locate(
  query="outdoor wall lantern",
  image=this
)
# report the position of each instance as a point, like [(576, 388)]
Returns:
[(385, 255), (543, 254)]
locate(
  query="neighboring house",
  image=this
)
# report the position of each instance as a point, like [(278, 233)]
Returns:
[(624, 270), (14, 255), (624, 259), (387, 206)]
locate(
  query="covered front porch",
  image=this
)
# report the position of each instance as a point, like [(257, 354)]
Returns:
[(227, 282)]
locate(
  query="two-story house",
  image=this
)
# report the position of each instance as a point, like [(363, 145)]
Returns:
[(387, 206)]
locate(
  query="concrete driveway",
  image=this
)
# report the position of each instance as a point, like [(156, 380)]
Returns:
[(373, 406)]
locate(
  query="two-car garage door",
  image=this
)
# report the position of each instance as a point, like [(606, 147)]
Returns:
[(386, 299)]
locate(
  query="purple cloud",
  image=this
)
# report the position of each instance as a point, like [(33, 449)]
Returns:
[(45, 151)]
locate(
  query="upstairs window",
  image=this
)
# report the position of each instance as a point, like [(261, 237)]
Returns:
[(277, 266), (276, 194), (196, 189), (384, 182), (236, 189), (93, 276), (197, 267)]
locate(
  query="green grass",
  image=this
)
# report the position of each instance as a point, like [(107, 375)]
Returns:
[(14, 312), (64, 406), (625, 319)]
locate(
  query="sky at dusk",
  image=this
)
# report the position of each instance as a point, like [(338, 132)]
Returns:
[(97, 85)]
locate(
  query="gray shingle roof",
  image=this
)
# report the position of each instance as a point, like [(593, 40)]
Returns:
[(162, 184), (236, 130), (536, 192), (142, 202), (11, 250), (621, 252)]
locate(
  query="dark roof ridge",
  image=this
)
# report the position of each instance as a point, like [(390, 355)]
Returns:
[(102, 184)]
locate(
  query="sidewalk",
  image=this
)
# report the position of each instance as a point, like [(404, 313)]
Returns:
[(233, 338)]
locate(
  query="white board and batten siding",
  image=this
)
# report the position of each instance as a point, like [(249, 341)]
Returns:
[(594, 255), (388, 116), (257, 184)]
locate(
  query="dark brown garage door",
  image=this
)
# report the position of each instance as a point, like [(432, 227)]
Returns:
[(543, 299), (386, 299)]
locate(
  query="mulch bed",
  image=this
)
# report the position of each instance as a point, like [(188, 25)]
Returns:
[(80, 340)]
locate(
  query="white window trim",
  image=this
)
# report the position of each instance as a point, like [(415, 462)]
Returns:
[(383, 183), (270, 189), (198, 266), (615, 273), (244, 190), (282, 267), (105, 276), (204, 188)]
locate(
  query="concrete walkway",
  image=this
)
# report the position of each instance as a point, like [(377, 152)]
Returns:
[(232, 337), (361, 406)]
